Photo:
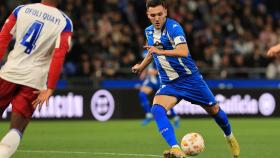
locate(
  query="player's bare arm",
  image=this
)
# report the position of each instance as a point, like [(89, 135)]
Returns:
[(274, 51), (138, 68), (181, 50)]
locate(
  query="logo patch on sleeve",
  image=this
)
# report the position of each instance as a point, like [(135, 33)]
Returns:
[(182, 39)]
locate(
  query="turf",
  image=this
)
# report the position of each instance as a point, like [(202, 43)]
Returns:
[(259, 138)]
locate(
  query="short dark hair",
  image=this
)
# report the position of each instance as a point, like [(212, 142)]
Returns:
[(50, 1), (154, 3)]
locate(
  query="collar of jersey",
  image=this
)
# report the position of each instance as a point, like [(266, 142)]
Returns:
[(47, 4)]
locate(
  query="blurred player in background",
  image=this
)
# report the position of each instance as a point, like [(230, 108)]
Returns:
[(274, 51), (28, 78), (150, 85), (179, 76)]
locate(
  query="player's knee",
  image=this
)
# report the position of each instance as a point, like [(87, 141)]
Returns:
[(19, 122), (142, 94), (212, 110), (156, 109), (147, 90)]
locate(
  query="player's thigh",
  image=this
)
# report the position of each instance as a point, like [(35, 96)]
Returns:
[(166, 101), (197, 93), (22, 101), (7, 91), (146, 89)]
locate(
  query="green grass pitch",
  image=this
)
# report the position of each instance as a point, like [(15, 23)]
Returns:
[(258, 138)]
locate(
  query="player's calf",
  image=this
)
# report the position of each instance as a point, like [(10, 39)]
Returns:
[(164, 125), (220, 118)]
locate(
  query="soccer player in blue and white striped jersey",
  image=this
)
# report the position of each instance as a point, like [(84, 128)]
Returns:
[(179, 75)]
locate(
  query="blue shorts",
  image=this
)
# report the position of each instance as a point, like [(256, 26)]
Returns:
[(191, 88), (153, 82)]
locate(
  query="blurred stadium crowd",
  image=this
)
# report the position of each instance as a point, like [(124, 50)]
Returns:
[(227, 38)]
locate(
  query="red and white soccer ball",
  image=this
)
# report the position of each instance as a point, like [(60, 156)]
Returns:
[(192, 144)]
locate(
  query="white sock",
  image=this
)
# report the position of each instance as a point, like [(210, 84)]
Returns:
[(175, 146), (229, 136), (176, 118), (9, 143), (149, 115)]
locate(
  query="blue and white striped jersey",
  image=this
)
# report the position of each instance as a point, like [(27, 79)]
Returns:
[(168, 38)]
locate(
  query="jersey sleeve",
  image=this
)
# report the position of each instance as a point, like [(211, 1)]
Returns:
[(149, 36), (69, 25), (6, 34), (177, 34), (16, 11), (8, 31), (62, 46)]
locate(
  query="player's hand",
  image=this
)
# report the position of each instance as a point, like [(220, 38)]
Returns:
[(137, 68), (43, 96), (153, 49), (274, 51)]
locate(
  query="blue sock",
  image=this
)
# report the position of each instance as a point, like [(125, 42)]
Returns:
[(144, 101), (164, 126), (172, 113), (222, 120)]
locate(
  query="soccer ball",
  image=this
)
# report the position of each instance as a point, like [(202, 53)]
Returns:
[(192, 144)]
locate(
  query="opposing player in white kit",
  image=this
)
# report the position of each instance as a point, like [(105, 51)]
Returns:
[(28, 78)]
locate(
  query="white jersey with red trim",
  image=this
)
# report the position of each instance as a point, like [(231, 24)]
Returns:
[(37, 31)]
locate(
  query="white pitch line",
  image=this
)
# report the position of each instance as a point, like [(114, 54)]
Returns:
[(87, 153)]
